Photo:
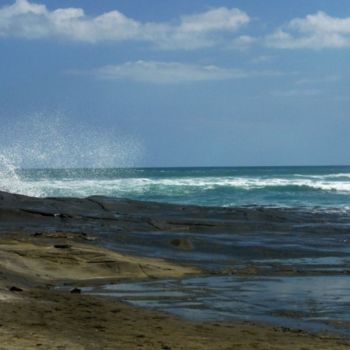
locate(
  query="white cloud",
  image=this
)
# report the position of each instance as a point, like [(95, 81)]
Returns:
[(34, 21), (198, 31), (316, 31), (243, 42), (220, 19), (214, 27), (170, 72), (165, 73)]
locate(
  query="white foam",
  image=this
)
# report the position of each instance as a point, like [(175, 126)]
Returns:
[(325, 176), (11, 180), (172, 186), (53, 141)]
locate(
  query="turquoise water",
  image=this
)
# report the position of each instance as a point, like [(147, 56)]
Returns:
[(229, 186)]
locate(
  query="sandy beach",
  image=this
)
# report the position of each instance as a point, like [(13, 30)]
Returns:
[(36, 315)]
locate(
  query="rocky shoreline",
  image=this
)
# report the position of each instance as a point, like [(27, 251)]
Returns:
[(49, 242)]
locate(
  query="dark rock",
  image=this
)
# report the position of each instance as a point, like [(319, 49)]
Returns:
[(16, 289), (115, 311), (44, 215), (75, 291), (182, 243), (62, 246)]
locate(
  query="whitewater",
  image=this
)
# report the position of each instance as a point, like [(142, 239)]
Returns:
[(324, 187), (49, 156)]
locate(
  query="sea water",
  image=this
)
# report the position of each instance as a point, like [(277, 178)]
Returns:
[(324, 186)]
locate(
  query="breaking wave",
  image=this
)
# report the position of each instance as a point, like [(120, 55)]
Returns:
[(11, 181), (47, 142), (51, 156), (163, 185), (82, 187)]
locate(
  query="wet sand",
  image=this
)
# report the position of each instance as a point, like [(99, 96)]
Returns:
[(37, 316), (49, 243)]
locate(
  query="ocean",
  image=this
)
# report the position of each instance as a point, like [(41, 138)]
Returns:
[(311, 187)]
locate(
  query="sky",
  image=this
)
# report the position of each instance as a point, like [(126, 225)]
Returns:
[(188, 83)]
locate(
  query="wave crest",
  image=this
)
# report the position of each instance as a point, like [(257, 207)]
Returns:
[(53, 141), (80, 186)]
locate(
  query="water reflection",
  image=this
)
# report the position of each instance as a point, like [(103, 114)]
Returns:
[(315, 303)]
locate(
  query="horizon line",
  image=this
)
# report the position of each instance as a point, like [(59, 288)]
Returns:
[(188, 167)]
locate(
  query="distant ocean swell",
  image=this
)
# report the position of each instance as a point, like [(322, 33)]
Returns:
[(318, 186)]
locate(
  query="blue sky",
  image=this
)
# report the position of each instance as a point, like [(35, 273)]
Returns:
[(191, 82)]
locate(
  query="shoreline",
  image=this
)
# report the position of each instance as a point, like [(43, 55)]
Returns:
[(45, 243), (39, 314)]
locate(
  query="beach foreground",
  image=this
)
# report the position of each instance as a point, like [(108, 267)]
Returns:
[(51, 248)]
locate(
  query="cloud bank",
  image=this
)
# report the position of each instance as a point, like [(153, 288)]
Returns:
[(171, 72), (216, 27), (316, 31), (29, 20)]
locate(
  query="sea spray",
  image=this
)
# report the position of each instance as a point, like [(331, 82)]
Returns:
[(54, 142), (53, 156), (11, 181)]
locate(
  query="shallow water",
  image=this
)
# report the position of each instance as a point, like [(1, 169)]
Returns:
[(268, 252), (298, 279), (316, 303)]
